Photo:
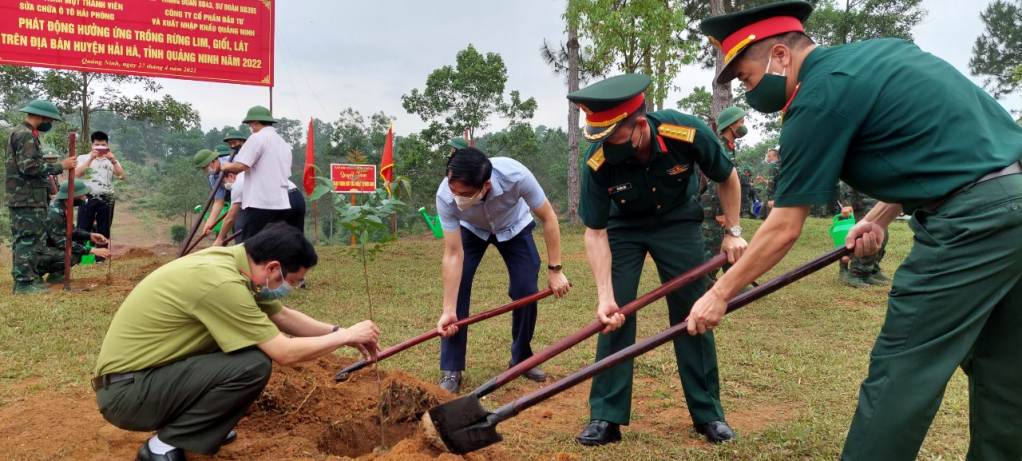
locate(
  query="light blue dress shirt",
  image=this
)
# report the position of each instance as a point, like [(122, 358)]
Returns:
[(505, 210)]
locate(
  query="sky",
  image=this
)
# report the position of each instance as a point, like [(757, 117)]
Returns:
[(366, 55)]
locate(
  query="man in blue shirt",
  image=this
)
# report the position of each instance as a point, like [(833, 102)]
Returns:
[(482, 202)]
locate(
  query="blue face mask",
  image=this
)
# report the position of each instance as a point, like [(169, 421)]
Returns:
[(266, 294)]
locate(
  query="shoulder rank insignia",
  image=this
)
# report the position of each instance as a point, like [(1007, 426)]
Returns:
[(677, 132), (596, 161), (677, 169)]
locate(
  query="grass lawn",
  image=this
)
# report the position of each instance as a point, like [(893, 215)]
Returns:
[(790, 364)]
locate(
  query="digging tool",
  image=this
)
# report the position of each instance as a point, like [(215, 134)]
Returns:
[(69, 214), (231, 237), (463, 425), (593, 328), (197, 241), (195, 227), (344, 374)]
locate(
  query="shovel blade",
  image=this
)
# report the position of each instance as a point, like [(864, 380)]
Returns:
[(464, 425)]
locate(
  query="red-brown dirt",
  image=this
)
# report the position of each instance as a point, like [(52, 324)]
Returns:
[(302, 415)]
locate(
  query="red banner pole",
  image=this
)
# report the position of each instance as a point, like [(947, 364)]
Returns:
[(352, 234), (69, 214)]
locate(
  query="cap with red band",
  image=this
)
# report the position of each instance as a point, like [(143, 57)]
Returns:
[(733, 33), (608, 102)]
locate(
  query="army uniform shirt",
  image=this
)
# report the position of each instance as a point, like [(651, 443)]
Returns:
[(27, 184), (662, 190)]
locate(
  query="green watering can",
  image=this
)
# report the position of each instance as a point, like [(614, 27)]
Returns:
[(205, 217), (433, 222), (839, 229), (89, 258)]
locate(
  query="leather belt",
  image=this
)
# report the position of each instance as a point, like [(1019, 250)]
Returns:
[(1014, 168), (101, 382)]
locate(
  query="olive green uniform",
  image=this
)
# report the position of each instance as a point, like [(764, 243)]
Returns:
[(186, 334), (650, 209), (771, 188), (906, 127), (709, 200), (26, 193)]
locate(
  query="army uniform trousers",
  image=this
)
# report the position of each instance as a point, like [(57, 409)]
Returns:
[(675, 247), (191, 404), (956, 301), (28, 237)]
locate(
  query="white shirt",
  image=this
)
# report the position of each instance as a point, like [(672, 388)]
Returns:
[(101, 180), (237, 190), (268, 158)]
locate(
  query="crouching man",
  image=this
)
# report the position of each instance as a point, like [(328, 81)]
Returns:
[(191, 347)]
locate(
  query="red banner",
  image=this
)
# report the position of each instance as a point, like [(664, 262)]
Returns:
[(353, 179), (227, 41)]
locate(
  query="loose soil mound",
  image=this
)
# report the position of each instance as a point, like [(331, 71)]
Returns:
[(136, 253), (302, 415)]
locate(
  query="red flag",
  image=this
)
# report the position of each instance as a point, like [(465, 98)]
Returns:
[(309, 175), (387, 163)]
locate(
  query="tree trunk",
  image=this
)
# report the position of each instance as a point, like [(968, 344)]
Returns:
[(721, 93), (85, 109), (574, 184)]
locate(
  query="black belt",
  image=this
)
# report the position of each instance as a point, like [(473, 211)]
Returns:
[(101, 382), (1014, 168)]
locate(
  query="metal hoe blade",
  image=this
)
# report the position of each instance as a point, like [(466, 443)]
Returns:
[(464, 425)]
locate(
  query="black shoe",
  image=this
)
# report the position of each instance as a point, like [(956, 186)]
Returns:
[(534, 374), (716, 431), (231, 437), (451, 381), (600, 433), (144, 454)]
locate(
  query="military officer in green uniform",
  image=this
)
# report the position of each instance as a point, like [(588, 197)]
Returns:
[(746, 175), (864, 271), (638, 198), (50, 155), (26, 193), (730, 126), (853, 112), (51, 262)]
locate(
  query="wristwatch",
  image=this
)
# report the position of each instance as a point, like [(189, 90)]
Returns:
[(556, 268), (735, 231)]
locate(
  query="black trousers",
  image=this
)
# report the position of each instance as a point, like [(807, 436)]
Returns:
[(257, 218), (192, 404), (296, 217), (98, 211)]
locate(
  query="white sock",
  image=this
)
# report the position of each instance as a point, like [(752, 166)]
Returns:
[(159, 447)]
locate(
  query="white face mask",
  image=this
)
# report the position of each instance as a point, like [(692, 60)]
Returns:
[(465, 202), (229, 186), (209, 170)]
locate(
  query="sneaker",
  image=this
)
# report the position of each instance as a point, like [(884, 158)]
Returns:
[(853, 281), (451, 381), (22, 288)]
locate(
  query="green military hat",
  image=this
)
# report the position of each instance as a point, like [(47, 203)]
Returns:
[(222, 149), (235, 134), (728, 116), (259, 114), (50, 153), (203, 157), (42, 107), (608, 102), (733, 33), (458, 143), (80, 189), (746, 168)]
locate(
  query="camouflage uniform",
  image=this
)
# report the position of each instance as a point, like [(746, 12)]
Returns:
[(709, 199), (771, 188), (746, 182), (51, 261), (26, 194), (865, 269)]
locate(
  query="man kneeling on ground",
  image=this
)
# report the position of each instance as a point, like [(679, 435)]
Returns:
[(191, 347)]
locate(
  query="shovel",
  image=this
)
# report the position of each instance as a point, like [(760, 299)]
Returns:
[(463, 425), (593, 328), (344, 374)]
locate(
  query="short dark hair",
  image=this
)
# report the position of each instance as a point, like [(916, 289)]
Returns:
[(283, 243), (470, 167), (99, 136), (793, 40)]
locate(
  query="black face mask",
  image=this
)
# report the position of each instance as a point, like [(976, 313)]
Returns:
[(79, 202)]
